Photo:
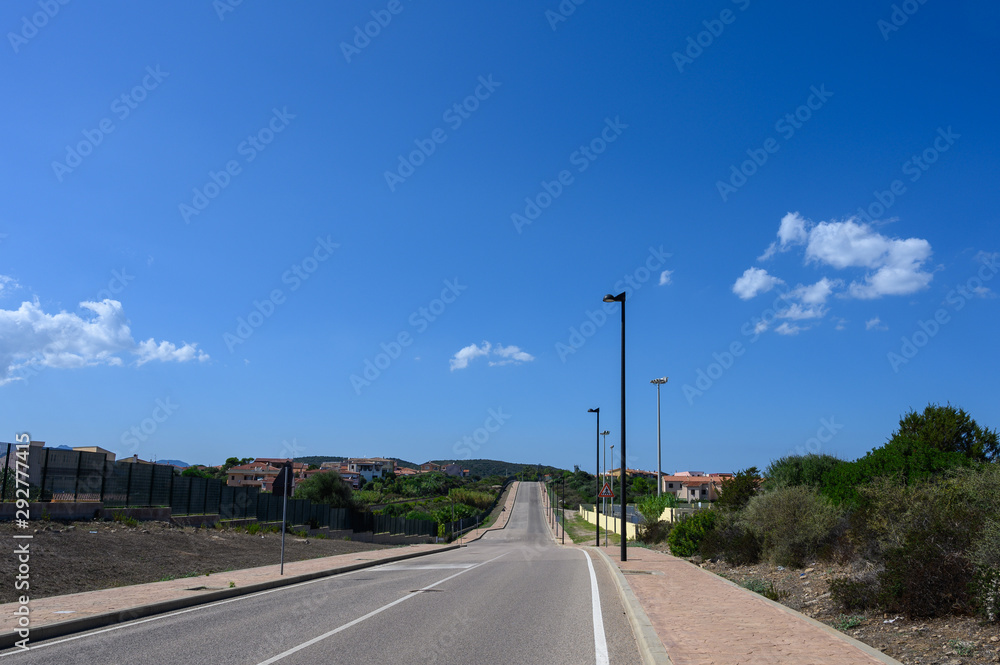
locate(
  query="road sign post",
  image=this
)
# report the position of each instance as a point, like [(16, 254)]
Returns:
[(283, 484)]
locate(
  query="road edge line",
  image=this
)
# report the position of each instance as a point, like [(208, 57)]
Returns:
[(650, 645), (62, 628)]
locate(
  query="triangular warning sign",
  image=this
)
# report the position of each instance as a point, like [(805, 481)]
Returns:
[(606, 492)]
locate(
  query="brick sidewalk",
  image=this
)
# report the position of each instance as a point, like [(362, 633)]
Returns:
[(703, 619), (55, 609)]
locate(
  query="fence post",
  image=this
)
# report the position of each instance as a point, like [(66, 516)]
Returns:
[(6, 465), (170, 492), (76, 480), (152, 481), (45, 468), (190, 483)]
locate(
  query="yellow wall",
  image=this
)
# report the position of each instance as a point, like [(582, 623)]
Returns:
[(614, 524)]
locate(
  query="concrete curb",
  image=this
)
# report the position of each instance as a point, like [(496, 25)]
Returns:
[(48, 631), (871, 651), (650, 645), (485, 531)]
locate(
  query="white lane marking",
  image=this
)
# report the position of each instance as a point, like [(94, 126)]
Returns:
[(314, 640), (129, 624), (430, 566), (600, 643)]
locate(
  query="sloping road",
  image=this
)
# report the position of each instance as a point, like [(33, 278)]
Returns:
[(511, 597)]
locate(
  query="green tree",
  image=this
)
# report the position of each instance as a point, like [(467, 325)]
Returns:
[(652, 506), (326, 488), (948, 429), (737, 491), (800, 470)]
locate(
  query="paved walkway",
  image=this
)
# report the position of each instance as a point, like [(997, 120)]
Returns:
[(703, 619), (134, 601)]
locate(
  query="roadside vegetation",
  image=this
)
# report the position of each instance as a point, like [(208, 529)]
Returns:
[(917, 518)]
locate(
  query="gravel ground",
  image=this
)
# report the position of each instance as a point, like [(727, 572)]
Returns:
[(951, 640), (71, 557)]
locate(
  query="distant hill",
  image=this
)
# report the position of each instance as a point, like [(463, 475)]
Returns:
[(174, 462), (490, 467), (476, 467), (319, 459)]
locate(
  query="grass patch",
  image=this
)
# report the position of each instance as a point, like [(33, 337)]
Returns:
[(846, 622), (962, 648), (766, 589), (582, 531)]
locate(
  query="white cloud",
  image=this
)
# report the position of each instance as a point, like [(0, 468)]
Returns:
[(7, 284), (788, 329), (509, 355), (30, 336), (797, 312), (841, 324), (875, 324), (461, 359), (753, 282), (897, 265), (665, 277), (816, 294), (791, 231)]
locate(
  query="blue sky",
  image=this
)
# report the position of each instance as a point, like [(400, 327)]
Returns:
[(252, 229)]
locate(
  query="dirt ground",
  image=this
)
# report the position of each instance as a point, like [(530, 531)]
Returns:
[(70, 557), (941, 641)]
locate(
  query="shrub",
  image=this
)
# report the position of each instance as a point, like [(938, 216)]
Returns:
[(651, 507), (731, 541), (326, 488), (855, 593), (792, 524), (986, 558), (737, 491), (811, 470), (920, 537), (766, 589), (686, 536), (654, 532)]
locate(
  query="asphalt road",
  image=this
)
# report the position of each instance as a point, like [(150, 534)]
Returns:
[(511, 597)]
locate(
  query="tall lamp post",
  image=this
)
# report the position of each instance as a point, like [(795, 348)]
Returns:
[(659, 485), (604, 479), (612, 502), (597, 527), (620, 298)]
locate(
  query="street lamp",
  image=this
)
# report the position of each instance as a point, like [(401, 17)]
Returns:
[(604, 479), (612, 503), (658, 382), (620, 298), (597, 527)]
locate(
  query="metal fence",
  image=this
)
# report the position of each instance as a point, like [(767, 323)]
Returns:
[(58, 475)]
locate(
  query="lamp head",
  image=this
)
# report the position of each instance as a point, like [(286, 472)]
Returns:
[(597, 410), (659, 381), (618, 298)]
